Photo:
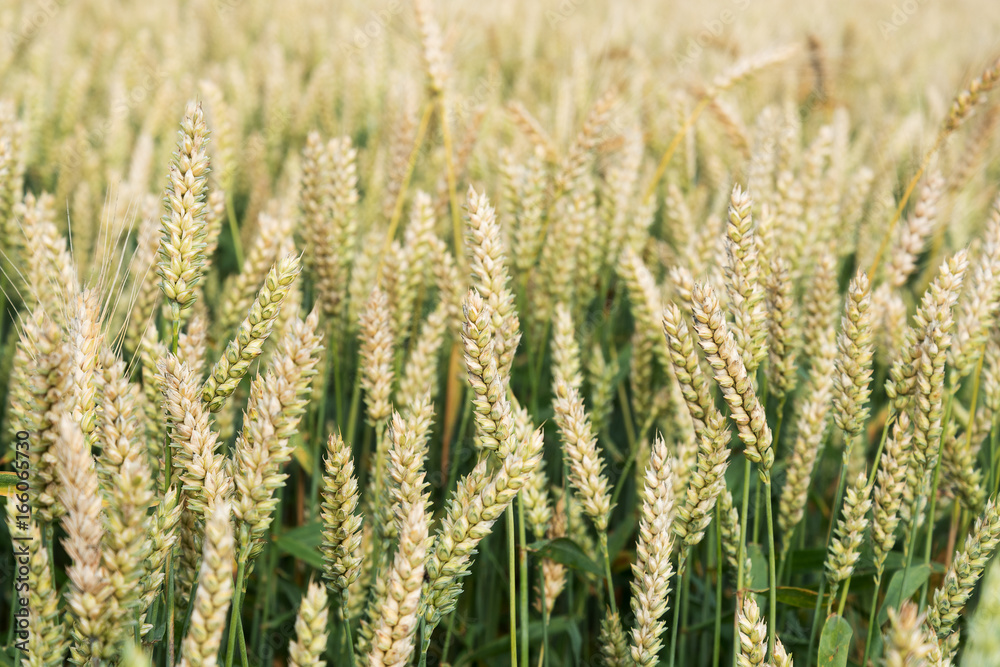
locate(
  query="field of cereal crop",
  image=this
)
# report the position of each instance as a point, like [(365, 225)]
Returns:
[(540, 334)]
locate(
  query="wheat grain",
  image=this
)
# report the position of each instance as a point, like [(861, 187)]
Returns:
[(653, 569), (493, 414), (979, 310), (746, 293), (277, 403), (90, 601), (913, 235), (707, 481), (965, 571), (52, 277), (753, 635), (491, 277), (888, 494), (782, 331), (199, 464), (376, 353), (309, 645), (586, 466), (845, 548), (215, 591), (182, 244), (396, 626), (341, 523), (612, 641), (240, 289), (905, 640), (251, 335), (729, 521), (810, 430), (731, 376), (478, 502), (45, 631), (49, 369)]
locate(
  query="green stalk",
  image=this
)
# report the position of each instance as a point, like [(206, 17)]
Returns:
[(317, 448), (244, 659), (511, 566), (911, 546), (890, 231), (889, 419), (338, 382), (269, 589), (542, 345), (187, 616), (456, 219), (234, 229), (682, 570), (742, 551), (523, 579), (627, 416), (928, 545), (352, 417), (607, 573), (453, 464), (48, 537), (994, 454), (834, 512), (871, 616), (685, 616), (717, 638), (237, 606), (843, 597), (784, 556), (449, 631), (425, 640), (763, 392), (623, 477), (397, 209), (543, 658), (756, 511), (347, 626), (167, 470), (773, 594), (661, 168), (777, 429)]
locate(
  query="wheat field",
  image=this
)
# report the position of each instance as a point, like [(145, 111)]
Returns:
[(424, 332)]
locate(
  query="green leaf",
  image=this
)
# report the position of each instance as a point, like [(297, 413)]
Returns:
[(501, 645), (758, 568), (564, 550), (303, 543), (915, 578), (8, 480), (806, 560), (803, 598), (310, 534), (835, 642), (619, 537), (866, 562)]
